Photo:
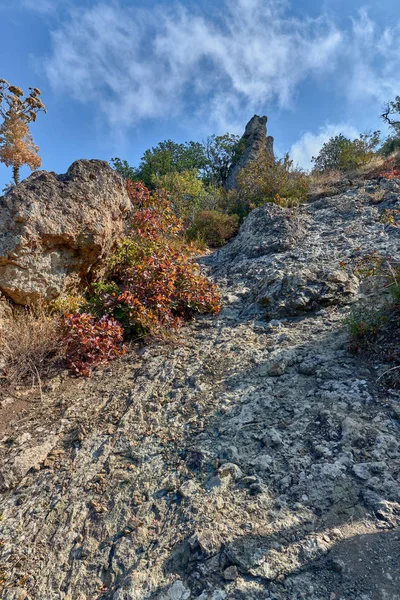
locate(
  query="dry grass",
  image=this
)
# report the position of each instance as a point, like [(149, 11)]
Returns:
[(322, 183), (326, 183), (30, 346)]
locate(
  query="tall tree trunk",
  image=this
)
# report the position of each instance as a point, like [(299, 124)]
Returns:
[(16, 174)]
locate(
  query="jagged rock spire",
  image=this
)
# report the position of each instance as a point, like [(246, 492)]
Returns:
[(254, 140)]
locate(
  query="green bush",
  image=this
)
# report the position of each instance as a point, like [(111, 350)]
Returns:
[(186, 192), (390, 145), (342, 154), (213, 227), (268, 180)]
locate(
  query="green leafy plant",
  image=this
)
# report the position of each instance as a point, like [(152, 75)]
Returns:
[(269, 180), (342, 154), (213, 227), (186, 192)]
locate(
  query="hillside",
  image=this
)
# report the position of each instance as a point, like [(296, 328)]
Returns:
[(256, 457)]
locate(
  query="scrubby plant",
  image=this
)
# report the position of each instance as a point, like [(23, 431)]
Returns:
[(31, 342), (92, 341), (213, 227), (153, 285), (342, 154), (391, 168), (374, 322), (186, 192), (269, 180), (390, 145), (364, 322), (16, 143)]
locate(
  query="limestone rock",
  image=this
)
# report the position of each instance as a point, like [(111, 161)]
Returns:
[(246, 485), (54, 227), (254, 140), (15, 470)]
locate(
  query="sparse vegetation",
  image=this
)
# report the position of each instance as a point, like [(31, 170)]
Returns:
[(269, 180), (374, 322), (344, 155), (16, 143), (213, 227), (31, 344)]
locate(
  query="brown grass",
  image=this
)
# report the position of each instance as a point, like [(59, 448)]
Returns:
[(322, 183), (30, 346)]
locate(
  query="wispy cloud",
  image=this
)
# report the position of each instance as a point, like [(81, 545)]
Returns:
[(373, 60), (42, 6), (137, 64), (310, 143), (215, 69)]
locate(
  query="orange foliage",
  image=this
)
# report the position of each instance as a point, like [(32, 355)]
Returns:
[(16, 144)]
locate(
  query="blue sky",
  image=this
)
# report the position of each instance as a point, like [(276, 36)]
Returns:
[(118, 76)]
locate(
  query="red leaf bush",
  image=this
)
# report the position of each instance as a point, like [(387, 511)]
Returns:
[(157, 284), (153, 286), (92, 341)]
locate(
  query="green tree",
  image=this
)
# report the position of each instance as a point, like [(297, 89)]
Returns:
[(186, 192), (342, 154), (168, 157), (221, 152), (123, 168)]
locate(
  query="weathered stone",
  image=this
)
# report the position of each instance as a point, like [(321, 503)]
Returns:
[(54, 228), (108, 520), (231, 573), (253, 141), (176, 592), (188, 488), (30, 458)]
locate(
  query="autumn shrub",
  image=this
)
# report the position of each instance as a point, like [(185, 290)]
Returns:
[(269, 180), (391, 168), (153, 285), (214, 228), (92, 341)]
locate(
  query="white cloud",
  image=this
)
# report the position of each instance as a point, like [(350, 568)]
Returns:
[(137, 64), (310, 143), (42, 6), (213, 69), (373, 60)]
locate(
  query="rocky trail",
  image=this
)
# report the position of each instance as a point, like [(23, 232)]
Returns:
[(253, 458)]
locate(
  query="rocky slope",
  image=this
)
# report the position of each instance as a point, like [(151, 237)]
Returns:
[(255, 459)]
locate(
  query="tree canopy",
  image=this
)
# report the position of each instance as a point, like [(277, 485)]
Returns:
[(342, 154)]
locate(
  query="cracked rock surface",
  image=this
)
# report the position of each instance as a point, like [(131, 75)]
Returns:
[(256, 458)]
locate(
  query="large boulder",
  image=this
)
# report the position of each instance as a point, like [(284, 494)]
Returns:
[(254, 140), (54, 228)]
